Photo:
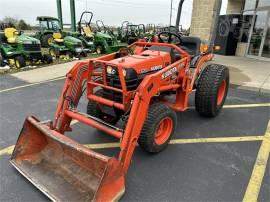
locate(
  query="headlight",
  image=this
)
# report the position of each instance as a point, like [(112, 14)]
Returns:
[(124, 72), (127, 73), (110, 70)]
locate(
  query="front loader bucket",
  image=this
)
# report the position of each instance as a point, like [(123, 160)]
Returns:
[(63, 169)]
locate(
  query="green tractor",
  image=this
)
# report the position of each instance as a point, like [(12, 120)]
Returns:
[(103, 41), (133, 33), (20, 49), (58, 41), (47, 26), (68, 46), (150, 32), (122, 31)]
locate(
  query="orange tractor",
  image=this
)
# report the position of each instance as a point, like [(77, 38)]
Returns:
[(133, 95)]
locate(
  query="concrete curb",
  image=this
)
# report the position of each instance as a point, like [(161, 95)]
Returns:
[(251, 88)]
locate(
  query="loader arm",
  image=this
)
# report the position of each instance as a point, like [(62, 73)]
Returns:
[(151, 86), (70, 95)]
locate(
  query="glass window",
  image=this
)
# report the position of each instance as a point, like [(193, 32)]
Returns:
[(250, 4), (266, 46), (43, 25), (54, 25), (257, 33), (264, 3), (246, 25)]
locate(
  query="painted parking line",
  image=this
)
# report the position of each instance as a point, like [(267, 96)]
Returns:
[(231, 106), (8, 150), (31, 84), (247, 105), (255, 182), (217, 140)]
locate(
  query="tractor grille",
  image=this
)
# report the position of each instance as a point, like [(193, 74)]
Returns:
[(36, 55), (114, 81), (31, 47)]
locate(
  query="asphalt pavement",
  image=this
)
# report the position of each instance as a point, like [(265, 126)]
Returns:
[(209, 159)]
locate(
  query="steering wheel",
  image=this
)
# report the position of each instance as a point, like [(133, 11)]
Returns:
[(169, 39)]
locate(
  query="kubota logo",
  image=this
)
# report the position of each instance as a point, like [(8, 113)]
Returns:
[(169, 72)]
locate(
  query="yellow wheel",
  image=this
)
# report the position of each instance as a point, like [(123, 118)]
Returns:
[(50, 40), (52, 53), (17, 63)]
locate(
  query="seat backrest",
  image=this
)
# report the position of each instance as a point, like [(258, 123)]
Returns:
[(10, 34), (57, 35), (192, 44), (87, 31)]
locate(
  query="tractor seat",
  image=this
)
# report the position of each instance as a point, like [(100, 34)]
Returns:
[(191, 45), (88, 32), (58, 37), (11, 34)]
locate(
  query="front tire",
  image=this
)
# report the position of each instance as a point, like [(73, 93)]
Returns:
[(212, 90), (93, 108), (84, 54), (100, 50), (47, 59), (158, 128), (55, 53)]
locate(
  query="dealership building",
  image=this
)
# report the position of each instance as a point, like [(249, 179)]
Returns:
[(243, 31)]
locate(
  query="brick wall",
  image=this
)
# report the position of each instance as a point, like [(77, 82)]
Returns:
[(203, 18), (234, 6)]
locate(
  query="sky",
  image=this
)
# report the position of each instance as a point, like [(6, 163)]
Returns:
[(112, 12)]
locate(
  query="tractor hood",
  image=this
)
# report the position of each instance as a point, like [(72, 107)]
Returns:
[(103, 35), (73, 41), (73, 34), (24, 39), (147, 61)]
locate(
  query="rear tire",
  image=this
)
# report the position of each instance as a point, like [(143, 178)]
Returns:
[(20, 61), (212, 90), (158, 128), (47, 40)]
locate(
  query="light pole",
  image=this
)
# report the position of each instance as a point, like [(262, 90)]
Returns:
[(171, 13)]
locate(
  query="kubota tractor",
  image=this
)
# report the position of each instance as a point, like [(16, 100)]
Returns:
[(133, 95)]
